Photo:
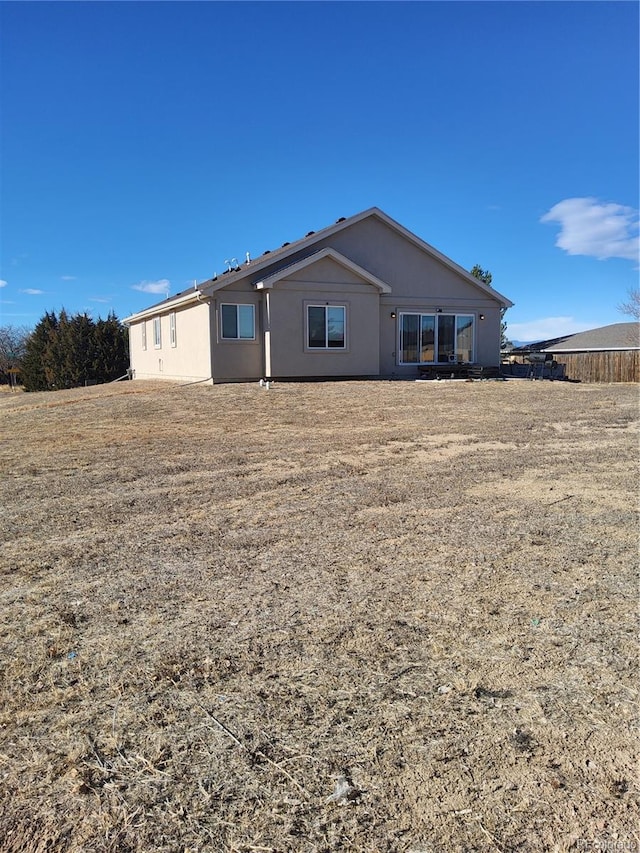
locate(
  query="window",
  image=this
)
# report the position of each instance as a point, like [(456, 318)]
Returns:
[(172, 328), (144, 334), (436, 338), (157, 333), (326, 326), (238, 322), (464, 337)]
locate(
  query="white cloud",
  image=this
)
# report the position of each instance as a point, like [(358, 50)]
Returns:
[(598, 229), (99, 299), (3, 283), (163, 285), (67, 278), (32, 291), (547, 327)]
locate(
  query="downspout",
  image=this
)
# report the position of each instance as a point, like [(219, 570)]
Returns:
[(267, 335)]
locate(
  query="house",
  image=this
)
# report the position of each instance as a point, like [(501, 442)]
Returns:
[(606, 354), (363, 297), (618, 337)]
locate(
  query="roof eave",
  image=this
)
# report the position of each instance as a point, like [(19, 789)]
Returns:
[(178, 301), (213, 285), (218, 283), (621, 348), (309, 260), (427, 247)]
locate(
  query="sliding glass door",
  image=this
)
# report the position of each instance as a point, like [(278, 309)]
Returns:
[(436, 338)]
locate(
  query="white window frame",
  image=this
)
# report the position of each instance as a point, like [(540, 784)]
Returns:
[(326, 347), (435, 315), (144, 334), (172, 329), (157, 333), (238, 306)]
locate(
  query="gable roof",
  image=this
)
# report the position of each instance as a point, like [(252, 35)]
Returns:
[(267, 259), (327, 252), (313, 237), (617, 336)]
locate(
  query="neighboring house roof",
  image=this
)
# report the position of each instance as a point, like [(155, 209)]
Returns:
[(269, 258), (537, 346), (617, 336)]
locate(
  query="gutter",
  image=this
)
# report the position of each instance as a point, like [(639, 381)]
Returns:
[(577, 351), (165, 307)]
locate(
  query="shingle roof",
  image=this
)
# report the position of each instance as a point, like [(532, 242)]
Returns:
[(228, 276), (267, 258), (617, 336)]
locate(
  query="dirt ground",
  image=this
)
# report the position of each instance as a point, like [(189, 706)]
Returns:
[(376, 616)]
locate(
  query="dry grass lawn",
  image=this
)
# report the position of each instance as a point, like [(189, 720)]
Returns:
[(385, 616)]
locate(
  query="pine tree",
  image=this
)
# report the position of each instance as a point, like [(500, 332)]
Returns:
[(34, 374), (53, 357), (66, 351), (111, 350), (79, 350), (486, 277)]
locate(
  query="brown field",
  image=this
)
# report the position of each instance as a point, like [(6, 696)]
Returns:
[(325, 617)]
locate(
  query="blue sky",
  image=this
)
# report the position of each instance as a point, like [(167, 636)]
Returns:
[(145, 143)]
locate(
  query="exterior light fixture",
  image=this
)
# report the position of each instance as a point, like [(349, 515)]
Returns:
[(393, 315), (482, 316), (438, 310)]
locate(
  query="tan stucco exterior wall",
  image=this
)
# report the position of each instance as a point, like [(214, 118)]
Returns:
[(420, 283), (236, 360), (323, 283), (189, 360)]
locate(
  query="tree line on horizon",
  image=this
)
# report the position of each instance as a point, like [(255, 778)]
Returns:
[(64, 351)]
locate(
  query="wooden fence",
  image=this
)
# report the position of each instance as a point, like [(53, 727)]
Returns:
[(601, 366)]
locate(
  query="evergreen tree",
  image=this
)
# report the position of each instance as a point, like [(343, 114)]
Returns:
[(66, 351), (34, 376), (111, 350), (486, 277), (53, 357), (78, 350), (483, 275)]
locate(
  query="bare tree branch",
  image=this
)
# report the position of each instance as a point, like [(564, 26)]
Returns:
[(632, 306)]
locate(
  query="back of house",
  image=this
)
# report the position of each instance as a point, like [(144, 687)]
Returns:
[(364, 297)]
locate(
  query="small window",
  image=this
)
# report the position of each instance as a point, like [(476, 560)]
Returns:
[(144, 334), (157, 333), (238, 322), (172, 328), (326, 326)]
